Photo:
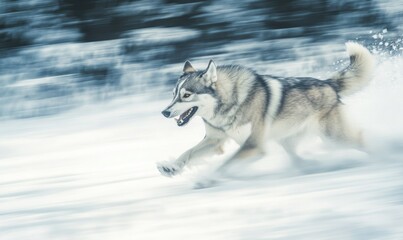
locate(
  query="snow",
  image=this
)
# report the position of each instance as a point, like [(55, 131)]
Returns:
[(91, 174)]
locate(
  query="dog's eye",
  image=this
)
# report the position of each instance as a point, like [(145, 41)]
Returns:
[(186, 95)]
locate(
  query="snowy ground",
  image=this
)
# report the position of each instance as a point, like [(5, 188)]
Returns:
[(90, 174)]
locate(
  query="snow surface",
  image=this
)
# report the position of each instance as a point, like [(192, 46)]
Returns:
[(91, 174)]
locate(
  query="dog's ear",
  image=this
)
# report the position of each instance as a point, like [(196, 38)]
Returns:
[(211, 72), (188, 68)]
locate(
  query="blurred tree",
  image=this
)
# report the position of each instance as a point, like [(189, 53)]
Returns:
[(11, 26), (96, 19)]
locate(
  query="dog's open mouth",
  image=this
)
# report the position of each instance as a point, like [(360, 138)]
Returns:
[(186, 116)]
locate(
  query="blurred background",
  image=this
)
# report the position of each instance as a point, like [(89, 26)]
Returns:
[(57, 55), (82, 87)]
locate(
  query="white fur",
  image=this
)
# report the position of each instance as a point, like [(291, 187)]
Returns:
[(275, 98), (178, 89), (358, 74), (240, 134)]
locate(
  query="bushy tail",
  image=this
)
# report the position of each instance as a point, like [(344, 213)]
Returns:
[(358, 74)]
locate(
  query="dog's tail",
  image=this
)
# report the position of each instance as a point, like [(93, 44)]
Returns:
[(358, 74)]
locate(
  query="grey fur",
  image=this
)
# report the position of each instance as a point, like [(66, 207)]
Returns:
[(235, 102)]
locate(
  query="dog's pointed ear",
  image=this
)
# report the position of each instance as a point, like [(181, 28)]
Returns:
[(211, 72), (188, 68)]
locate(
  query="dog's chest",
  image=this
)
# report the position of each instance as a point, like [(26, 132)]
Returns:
[(240, 133)]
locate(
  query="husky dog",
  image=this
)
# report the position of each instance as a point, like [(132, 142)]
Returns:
[(235, 102)]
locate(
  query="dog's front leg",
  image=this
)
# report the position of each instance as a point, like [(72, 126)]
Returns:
[(248, 152), (208, 146), (251, 149)]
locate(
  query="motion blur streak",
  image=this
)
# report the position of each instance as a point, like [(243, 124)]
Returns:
[(82, 86)]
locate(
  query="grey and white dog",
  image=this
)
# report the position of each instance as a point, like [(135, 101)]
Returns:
[(235, 102)]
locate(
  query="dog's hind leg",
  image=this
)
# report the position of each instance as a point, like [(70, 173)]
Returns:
[(290, 145), (334, 126)]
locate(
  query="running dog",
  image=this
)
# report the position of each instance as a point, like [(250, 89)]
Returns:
[(236, 102)]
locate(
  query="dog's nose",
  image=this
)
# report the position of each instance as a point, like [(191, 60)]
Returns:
[(166, 113)]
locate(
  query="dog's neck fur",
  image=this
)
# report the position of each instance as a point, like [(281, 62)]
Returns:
[(229, 98)]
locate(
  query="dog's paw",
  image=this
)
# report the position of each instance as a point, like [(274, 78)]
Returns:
[(169, 169)]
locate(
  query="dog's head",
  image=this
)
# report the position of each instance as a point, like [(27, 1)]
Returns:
[(193, 94)]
